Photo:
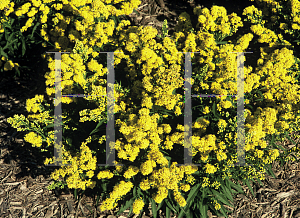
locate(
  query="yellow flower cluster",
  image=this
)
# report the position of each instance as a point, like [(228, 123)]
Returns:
[(33, 105), (138, 204), (253, 14), (7, 7), (84, 162), (243, 42), (274, 9), (34, 139), (210, 169), (105, 175), (217, 205), (217, 20), (119, 190), (132, 171)]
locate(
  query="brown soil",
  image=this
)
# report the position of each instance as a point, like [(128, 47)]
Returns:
[(24, 178)]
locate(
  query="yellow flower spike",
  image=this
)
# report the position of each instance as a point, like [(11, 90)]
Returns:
[(138, 205), (105, 174), (34, 139), (210, 169), (179, 198), (9, 65)]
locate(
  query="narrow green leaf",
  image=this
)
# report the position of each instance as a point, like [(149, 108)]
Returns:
[(97, 127), (6, 34), (227, 192), (214, 111), (169, 205), (34, 28), (136, 12), (160, 205), (221, 198), (9, 44), (2, 53), (189, 214), (23, 46), (97, 200), (168, 212), (153, 208), (261, 94), (249, 186), (75, 194), (203, 210), (279, 146), (259, 181), (204, 192), (223, 212), (270, 171), (49, 126), (139, 192), (130, 211), (190, 199), (289, 138), (124, 207), (8, 40), (141, 213), (103, 186), (236, 186), (223, 42)]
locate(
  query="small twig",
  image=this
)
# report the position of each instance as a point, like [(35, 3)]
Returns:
[(142, 6), (6, 177), (45, 208)]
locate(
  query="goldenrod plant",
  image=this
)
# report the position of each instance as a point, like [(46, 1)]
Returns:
[(149, 105)]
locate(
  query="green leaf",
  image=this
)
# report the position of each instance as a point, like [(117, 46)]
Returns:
[(124, 207), (160, 205), (260, 182), (49, 126), (203, 210), (249, 186), (134, 191), (221, 198), (193, 192), (18, 72), (289, 138), (130, 211), (168, 212), (214, 111), (223, 212), (227, 192), (33, 30), (169, 205), (23, 46), (9, 41), (141, 213), (153, 208), (75, 193), (236, 186), (270, 171), (9, 44), (6, 34), (2, 53), (98, 125), (223, 42), (103, 186), (136, 12)]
